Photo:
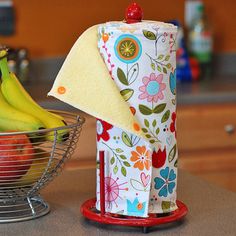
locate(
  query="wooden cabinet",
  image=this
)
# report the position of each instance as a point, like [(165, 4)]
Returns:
[(205, 148), (202, 127)]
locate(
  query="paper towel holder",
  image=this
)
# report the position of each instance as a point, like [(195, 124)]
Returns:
[(89, 211)]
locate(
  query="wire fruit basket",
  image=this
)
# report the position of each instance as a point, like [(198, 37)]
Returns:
[(29, 161)]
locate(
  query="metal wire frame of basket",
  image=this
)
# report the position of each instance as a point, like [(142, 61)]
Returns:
[(43, 159)]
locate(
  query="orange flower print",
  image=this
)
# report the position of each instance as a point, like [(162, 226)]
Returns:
[(141, 157)]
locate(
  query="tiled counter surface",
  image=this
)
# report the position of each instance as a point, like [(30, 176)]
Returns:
[(211, 210)]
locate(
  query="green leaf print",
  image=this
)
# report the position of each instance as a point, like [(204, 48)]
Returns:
[(159, 68), (144, 130), (127, 94), (126, 139), (159, 108), (165, 205), (154, 123), (126, 163), (176, 163), (160, 57), (123, 171), (146, 122), (153, 66), (150, 131), (160, 63), (112, 161), (119, 150), (149, 35), (164, 70), (123, 157), (167, 58), (145, 110), (166, 116), (115, 169), (122, 77), (118, 160), (172, 153)]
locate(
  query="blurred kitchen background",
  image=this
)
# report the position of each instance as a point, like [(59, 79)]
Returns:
[(41, 33)]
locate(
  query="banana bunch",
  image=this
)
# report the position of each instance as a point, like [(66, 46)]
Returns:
[(18, 111)]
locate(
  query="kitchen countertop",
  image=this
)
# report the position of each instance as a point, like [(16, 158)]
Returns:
[(209, 91), (211, 210)]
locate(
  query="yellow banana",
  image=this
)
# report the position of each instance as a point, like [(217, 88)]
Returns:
[(58, 116), (15, 120), (30, 99), (16, 96)]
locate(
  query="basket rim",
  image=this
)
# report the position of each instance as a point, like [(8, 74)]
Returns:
[(79, 118)]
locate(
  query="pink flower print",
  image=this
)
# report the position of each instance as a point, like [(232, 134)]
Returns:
[(153, 88)]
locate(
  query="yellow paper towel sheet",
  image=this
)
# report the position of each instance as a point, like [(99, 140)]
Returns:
[(85, 83)]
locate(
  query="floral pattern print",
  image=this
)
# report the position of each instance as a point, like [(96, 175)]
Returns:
[(143, 168), (159, 158), (128, 48), (166, 184), (153, 88), (136, 208), (173, 121), (173, 82), (141, 158), (102, 130), (112, 190)]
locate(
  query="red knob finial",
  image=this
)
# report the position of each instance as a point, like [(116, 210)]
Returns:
[(133, 13)]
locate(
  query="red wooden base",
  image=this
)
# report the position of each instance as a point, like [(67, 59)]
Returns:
[(89, 211)]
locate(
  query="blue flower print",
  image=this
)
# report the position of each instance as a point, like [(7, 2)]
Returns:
[(136, 208), (166, 184)]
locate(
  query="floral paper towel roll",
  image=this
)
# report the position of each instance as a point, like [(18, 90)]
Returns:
[(140, 174)]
